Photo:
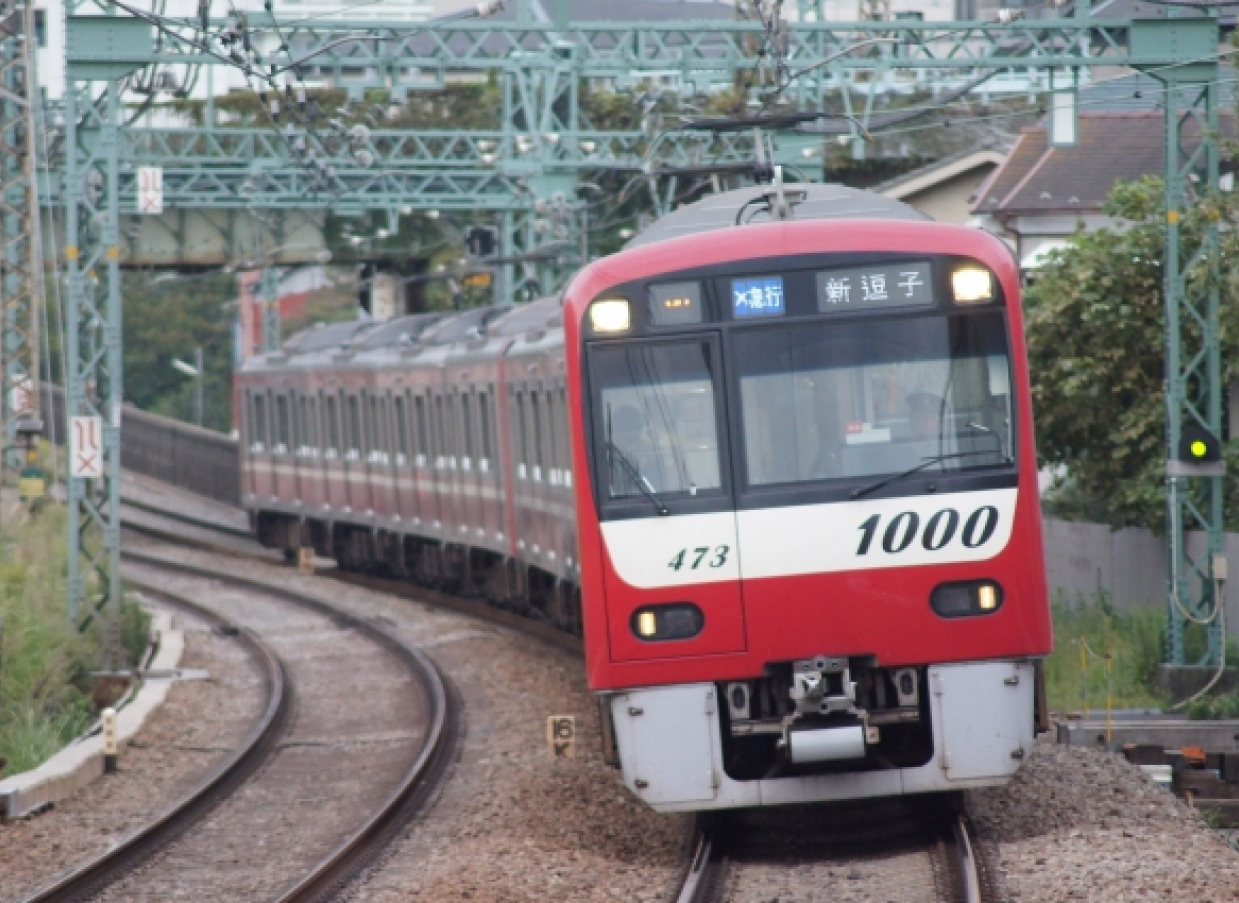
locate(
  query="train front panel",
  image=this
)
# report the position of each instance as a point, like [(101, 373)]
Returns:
[(810, 537)]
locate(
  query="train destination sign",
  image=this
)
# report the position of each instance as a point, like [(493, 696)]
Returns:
[(868, 288)]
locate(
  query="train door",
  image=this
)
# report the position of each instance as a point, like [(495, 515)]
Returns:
[(522, 500), (424, 462), (354, 461), (283, 464), (333, 455), (378, 455), (444, 464), (260, 465), (562, 511), (539, 472), (490, 488), (403, 490), (469, 487)]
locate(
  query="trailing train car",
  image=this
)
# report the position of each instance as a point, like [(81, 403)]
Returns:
[(774, 461)]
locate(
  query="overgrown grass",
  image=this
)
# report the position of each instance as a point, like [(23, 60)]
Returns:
[(45, 662), (1134, 641)]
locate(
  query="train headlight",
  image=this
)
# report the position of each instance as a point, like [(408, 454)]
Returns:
[(972, 285), (611, 315), (676, 621), (961, 600)]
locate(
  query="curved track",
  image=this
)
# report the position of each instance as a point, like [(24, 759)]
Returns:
[(247, 758), (256, 770)]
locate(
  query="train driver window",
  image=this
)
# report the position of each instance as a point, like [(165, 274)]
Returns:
[(867, 398), (656, 418)]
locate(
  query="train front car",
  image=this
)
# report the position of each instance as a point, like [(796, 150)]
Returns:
[(810, 539)]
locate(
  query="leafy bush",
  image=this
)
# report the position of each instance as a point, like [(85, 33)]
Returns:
[(1135, 642), (45, 662)]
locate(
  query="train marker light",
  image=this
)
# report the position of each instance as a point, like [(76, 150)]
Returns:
[(961, 600), (1198, 445), (972, 285), (613, 315), (676, 621)]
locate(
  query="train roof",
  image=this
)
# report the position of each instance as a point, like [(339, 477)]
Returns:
[(747, 206)]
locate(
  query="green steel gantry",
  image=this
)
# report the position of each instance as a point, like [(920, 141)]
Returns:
[(527, 172)]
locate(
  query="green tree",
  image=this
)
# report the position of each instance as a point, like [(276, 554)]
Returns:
[(168, 318), (1095, 323)]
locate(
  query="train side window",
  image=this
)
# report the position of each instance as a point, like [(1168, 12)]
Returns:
[(536, 410), (423, 449), (565, 438), (333, 427), (353, 419), (402, 431), (466, 423), (301, 407), (484, 413), (258, 417), (552, 441), (451, 432), (520, 434), (281, 425), (313, 434), (385, 442), (440, 434)]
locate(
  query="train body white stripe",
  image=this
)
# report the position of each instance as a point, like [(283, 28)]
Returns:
[(866, 534)]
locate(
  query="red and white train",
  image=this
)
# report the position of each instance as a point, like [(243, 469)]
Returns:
[(774, 461)]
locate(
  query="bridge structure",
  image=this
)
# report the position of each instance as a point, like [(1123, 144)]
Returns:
[(528, 173)]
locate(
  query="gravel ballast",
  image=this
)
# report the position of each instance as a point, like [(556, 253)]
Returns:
[(1079, 824), (198, 725)]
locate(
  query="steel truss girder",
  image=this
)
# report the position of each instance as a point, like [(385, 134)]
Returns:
[(21, 259), (93, 340), (1192, 295)]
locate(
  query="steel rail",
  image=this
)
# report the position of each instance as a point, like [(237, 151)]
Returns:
[(252, 753), (419, 783), (970, 878), (699, 878)]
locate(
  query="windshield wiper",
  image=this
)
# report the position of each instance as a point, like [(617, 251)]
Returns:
[(927, 462), (635, 475)]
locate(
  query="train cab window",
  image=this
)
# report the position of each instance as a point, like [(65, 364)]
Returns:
[(422, 438), (352, 417), (868, 398), (333, 427), (281, 425), (656, 419), (402, 431)]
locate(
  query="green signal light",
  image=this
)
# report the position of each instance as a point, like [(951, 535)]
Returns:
[(1199, 448)]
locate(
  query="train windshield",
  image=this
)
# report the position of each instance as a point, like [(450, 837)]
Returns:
[(659, 419), (835, 400)]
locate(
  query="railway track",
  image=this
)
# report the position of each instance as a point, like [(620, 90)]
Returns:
[(309, 755), (907, 850), (900, 850)]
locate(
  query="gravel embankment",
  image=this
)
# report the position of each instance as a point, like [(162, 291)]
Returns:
[(513, 824), (199, 723), (1077, 824)]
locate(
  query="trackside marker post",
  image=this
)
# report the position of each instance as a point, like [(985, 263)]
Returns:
[(561, 736), (109, 741)]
